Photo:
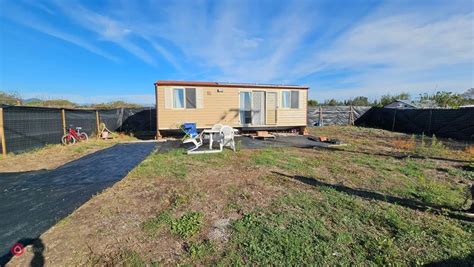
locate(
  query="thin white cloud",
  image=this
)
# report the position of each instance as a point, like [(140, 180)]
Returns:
[(107, 28), (399, 52), (399, 41), (167, 55), (28, 19)]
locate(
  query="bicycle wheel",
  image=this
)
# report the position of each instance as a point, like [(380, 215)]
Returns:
[(68, 140), (83, 137)]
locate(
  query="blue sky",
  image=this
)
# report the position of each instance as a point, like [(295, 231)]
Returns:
[(95, 51)]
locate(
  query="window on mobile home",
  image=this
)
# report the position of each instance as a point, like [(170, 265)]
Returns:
[(245, 108), (190, 97), (295, 99), (184, 98), (178, 98), (290, 99)]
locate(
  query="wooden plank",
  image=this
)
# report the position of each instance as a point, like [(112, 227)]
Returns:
[(2, 134), (263, 137), (97, 122), (63, 120)]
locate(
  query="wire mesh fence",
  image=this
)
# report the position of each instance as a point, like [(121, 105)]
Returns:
[(448, 123), (334, 115), (26, 128)]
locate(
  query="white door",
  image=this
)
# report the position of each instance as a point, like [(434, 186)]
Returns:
[(258, 108), (271, 107)]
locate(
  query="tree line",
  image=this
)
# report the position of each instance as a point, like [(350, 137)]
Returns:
[(439, 99), (14, 99)]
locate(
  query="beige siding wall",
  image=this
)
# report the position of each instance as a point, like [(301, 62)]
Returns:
[(220, 107)]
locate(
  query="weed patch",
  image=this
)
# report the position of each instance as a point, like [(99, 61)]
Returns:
[(199, 250), (186, 226)]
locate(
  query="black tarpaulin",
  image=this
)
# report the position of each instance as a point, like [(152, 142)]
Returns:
[(447, 123)]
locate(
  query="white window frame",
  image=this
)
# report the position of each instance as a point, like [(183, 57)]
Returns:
[(289, 102), (184, 98)]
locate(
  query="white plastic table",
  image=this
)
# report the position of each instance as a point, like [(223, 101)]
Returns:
[(211, 133)]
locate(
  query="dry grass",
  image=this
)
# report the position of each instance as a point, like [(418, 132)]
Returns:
[(404, 144), (470, 150), (53, 156), (243, 208)]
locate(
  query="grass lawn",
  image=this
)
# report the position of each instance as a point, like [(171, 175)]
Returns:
[(385, 199)]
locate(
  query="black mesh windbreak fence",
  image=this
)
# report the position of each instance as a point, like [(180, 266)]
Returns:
[(140, 122), (28, 127), (111, 118), (448, 123), (86, 119)]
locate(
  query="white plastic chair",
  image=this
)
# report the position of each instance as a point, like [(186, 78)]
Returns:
[(227, 137), (217, 127), (197, 141)]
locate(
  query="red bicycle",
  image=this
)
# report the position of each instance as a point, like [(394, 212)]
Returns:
[(74, 135)]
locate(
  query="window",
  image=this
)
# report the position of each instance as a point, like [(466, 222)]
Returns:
[(290, 99), (285, 97), (190, 97), (178, 98), (184, 98), (245, 108), (295, 99)]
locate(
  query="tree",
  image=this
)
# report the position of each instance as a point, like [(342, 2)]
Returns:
[(359, 101), (444, 99), (115, 104), (312, 103), (53, 103), (387, 99), (9, 98), (332, 102)]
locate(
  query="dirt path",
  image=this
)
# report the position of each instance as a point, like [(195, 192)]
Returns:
[(36, 200)]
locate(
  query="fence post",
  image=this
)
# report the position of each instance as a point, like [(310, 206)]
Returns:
[(351, 116), (63, 120), (2, 134), (97, 124), (393, 122), (320, 116), (429, 124)]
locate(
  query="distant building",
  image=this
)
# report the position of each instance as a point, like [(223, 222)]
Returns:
[(401, 104)]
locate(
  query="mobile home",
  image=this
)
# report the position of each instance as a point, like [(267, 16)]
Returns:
[(240, 105)]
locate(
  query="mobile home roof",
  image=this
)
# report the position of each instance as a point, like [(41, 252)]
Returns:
[(222, 84)]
